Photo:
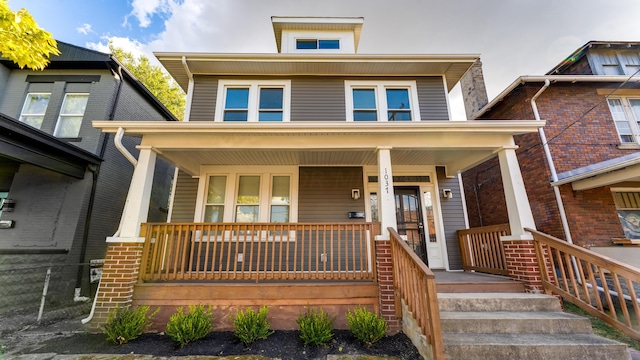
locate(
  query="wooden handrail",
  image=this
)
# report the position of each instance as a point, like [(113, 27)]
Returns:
[(415, 284), (482, 250), (258, 251), (601, 286)]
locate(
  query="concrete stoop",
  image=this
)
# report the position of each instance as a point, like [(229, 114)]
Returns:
[(491, 326)]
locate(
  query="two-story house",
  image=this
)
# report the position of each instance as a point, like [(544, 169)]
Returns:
[(292, 166), (64, 183), (582, 172)]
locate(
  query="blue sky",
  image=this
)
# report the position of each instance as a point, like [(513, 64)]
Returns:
[(513, 37)]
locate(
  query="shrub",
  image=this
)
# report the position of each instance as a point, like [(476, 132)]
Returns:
[(365, 325), (185, 328), (126, 324), (316, 327), (251, 326)]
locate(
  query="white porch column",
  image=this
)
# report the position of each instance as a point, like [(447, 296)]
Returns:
[(518, 207), (136, 208), (386, 195)]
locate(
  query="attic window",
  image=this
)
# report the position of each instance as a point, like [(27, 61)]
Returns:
[(315, 44)]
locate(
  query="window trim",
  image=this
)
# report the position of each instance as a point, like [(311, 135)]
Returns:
[(634, 124), (253, 106), (381, 96), (24, 104), (61, 114)]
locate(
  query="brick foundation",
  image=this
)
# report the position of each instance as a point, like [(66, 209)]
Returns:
[(522, 263), (388, 303), (119, 274)]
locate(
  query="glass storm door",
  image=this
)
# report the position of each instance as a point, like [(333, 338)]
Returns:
[(409, 217)]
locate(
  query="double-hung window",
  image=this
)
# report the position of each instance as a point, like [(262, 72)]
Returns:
[(34, 108), (252, 101), (381, 101), (71, 114), (626, 116)]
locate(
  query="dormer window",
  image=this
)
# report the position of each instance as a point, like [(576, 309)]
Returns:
[(317, 44)]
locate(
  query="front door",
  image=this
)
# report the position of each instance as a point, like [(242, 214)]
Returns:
[(409, 217)]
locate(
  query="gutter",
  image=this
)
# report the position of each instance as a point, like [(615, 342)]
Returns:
[(552, 167), (554, 78), (187, 108)]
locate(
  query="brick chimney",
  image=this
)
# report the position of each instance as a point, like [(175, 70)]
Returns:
[(474, 92)]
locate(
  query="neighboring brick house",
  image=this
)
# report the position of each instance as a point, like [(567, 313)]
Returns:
[(591, 103), (64, 183)]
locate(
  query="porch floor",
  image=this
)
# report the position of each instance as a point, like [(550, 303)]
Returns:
[(474, 282)]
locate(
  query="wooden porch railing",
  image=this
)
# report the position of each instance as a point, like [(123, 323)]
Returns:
[(415, 283), (258, 251), (599, 285), (482, 250)]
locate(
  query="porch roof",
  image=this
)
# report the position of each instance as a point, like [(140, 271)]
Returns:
[(454, 145), (613, 171)]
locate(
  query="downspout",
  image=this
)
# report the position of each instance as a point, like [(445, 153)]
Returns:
[(552, 167), (103, 149), (187, 107)]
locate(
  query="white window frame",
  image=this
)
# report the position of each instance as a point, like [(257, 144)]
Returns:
[(629, 116), (290, 39), (380, 88), (254, 88), (61, 114), (24, 105), (233, 174)]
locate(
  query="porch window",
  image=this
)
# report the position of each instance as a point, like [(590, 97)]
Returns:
[(628, 206), (381, 101), (34, 108), (252, 101), (248, 200), (214, 207), (71, 114), (280, 199), (626, 116)]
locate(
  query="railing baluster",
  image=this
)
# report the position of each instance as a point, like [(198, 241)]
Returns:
[(621, 299)]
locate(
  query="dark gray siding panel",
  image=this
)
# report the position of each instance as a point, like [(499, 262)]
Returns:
[(453, 218), (432, 98), (184, 200), (317, 99), (325, 194), (203, 103)]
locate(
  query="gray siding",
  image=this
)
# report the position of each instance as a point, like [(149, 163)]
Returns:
[(432, 98), (453, 217), (203, 102), (325, 194), (317, 99), (184, 200)]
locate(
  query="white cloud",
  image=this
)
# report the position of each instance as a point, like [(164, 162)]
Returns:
[(85, 29), (128, 45), (144, 10)]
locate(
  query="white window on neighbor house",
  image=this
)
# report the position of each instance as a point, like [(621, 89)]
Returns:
[(35, 105), (381, 101), (626, 115), (253, 101), (628, 207), (71, 114), (245, 198)]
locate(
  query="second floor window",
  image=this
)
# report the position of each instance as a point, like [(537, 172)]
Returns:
[(389, 101), (34, 108), (249, 101), (626, 115), (71, 114)]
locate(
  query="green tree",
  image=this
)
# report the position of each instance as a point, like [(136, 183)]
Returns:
[(161, 85), (23, 41)]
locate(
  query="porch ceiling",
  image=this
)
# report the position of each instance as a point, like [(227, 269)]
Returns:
[(455, 145)]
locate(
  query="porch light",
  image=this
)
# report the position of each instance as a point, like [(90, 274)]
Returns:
[(8, 205), (447, 194), (355, 194)]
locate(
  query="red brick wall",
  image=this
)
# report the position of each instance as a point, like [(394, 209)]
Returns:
[(384, 263), (580, 131), (522, 263)]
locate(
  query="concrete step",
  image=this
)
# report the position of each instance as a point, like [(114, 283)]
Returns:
[(521, 322), (480, 287), (497, 302), (532, 347)]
